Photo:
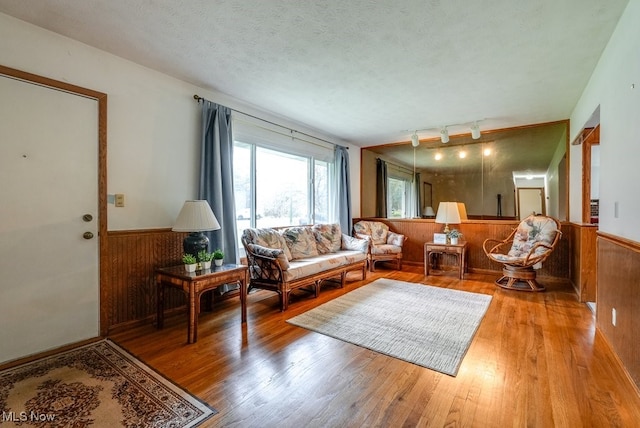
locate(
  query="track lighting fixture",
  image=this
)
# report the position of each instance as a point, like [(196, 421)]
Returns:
[(415, 141), (475, 131), (444, 134), (444, 131)]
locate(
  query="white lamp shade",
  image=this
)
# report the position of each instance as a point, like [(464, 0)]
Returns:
[(462, 210), (428, 212), (448, 213), (196, 216)]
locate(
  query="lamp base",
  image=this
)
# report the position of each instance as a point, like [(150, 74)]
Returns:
[(194, 243)]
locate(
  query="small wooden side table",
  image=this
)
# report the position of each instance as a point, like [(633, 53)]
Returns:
[(194, 284), (459, 250)]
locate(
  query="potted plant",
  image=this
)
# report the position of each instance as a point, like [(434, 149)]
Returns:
[(190, 262), (205, 257), (218, 255), (454, 235)]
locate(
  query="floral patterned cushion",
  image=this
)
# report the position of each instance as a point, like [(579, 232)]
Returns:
[(328, 237), (531, 231), (301, 242), (377, 230), (269, 238), (386, 249), (277, 254), (395, 239), (355, 244)]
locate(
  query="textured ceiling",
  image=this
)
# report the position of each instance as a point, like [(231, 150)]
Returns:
[(364, 71)]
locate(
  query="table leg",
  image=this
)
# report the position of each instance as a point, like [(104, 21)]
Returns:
[(192, 329), (243, 298), (160, 298), (427, 266)]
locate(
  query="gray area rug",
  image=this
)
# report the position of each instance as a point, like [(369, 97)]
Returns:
[(429, 326)]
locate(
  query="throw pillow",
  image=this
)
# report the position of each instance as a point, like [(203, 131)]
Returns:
[(301, 242), (277, 254)]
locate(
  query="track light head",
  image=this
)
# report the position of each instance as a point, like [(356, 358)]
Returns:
[(415, 141), (475, 131), (444, 134)]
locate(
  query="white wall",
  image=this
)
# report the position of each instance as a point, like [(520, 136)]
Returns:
[(153, 122), (615, 86)]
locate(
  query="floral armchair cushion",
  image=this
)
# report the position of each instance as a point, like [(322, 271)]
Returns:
[(531, 231), (378, 231), (395, 239)]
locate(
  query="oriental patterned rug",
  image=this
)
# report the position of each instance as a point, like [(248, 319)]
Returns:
[(429, 326), (95, 385)]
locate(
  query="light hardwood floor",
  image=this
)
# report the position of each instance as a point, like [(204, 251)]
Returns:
[(536, 361)]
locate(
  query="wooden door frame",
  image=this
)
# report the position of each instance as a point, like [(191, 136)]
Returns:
[(591, 138), (103, 249), (543, 205)]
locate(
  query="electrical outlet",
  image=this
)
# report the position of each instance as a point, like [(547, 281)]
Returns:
[(614, 316), (119, 200)]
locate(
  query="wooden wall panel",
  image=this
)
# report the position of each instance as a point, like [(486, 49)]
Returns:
[(133, 258), (619, 288), (584, 261), (475, 232)]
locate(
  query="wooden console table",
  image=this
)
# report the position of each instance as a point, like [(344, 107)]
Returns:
[(459, 250), (194, 284)]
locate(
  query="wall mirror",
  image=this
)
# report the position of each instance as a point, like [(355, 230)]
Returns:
[(486, 174)]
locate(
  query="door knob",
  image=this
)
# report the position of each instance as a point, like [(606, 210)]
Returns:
[(87, 235), (87, 217)]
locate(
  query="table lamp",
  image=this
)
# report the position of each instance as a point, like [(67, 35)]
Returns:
[(428, 212), (195, 217), (448, 213)]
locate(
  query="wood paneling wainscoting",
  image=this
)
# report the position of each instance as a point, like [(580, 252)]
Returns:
[(584, 260), (133, 257), (619, 289), (419, 231)]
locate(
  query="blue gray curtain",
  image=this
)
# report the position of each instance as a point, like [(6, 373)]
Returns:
[(341, 159), (381, 188), (417, 200), (216, 177)]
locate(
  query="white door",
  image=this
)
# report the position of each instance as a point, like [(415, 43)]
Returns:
[(530, 201), (49, 280)]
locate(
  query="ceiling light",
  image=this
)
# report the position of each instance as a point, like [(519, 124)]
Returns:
[(462, 154), (415, 142), (444, 134), (487, 152), (438, 156), (475, 131)]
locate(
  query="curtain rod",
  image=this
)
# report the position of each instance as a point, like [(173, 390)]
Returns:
[(198, 98)]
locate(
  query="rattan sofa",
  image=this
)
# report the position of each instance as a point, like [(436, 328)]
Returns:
[(283, 260)]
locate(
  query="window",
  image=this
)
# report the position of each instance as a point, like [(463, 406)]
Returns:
[(398, 191), (275, 188)]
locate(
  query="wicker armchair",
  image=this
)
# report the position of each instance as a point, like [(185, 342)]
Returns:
[(385, 244), (523, 251)]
